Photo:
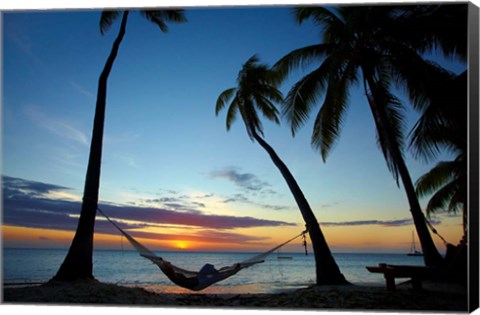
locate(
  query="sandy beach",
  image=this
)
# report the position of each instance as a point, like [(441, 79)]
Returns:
[(433, 297)]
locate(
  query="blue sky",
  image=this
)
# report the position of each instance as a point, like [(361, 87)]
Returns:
[(163, 147)]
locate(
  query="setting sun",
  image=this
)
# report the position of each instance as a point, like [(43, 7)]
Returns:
[(182, 245)]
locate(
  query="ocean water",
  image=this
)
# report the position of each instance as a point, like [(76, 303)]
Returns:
[(128, 268)]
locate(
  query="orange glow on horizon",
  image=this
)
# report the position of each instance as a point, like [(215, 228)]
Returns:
[(361, 238), (23, 237)]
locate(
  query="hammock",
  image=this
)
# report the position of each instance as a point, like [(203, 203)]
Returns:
[(207, 275)]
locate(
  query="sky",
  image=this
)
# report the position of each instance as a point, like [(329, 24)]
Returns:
[(171, 173)]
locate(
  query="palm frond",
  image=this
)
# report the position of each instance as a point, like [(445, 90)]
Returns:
[(107, 18), (252, 62), (383, 70), (441, 199), (274, 77), (162, 17), (321, 16), (423, 80), (443, 124), (437, 177), (430, 136), (329, 121), (250, 74), (270, 92), (457, 202), (299, 100), (267, 108), (223, 99), (232, 113), (301, 58), (396, 119), (389, 125), (305, 94), (450, 30), (443, 26), (448, 183)]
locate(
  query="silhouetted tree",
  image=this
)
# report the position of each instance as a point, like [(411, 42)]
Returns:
[(376, 47), (78, 262), (257, 91)]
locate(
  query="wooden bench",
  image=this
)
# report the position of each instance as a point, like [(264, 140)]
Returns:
[(416, 273)]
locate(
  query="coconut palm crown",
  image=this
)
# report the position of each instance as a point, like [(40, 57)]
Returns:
[(256, 90), (368, 46), (158, 17)]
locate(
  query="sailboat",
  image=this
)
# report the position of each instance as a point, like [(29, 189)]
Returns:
[(280, 256), (413, 249)]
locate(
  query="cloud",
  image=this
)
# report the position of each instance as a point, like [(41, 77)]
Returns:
[(161, 200), (389, 223), (244, 199), (199, 204), (25, 46), (250, 184), (179, 207), (273, 207), (54, 126), (81, 90), (246, 181), (179, 204), (122, 138), (190, 218), (14, 187), (329, 205), (238, 198), (26, 204)]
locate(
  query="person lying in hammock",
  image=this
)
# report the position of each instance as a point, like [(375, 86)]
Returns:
[(208, 273), (206, 276), (177, 277)]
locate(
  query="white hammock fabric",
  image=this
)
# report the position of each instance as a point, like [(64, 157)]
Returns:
[(207, 275)]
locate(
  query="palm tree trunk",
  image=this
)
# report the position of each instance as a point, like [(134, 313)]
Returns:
[(430, 253), (78, 263), (327, 271)]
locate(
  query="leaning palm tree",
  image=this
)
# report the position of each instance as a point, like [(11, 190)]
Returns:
[(366, 46), (78, 262), (257, 90)]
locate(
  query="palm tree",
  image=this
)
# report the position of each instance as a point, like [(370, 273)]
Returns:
[(367, 45), (257, 90), (447, 180), (78, 262), (443, 125)]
